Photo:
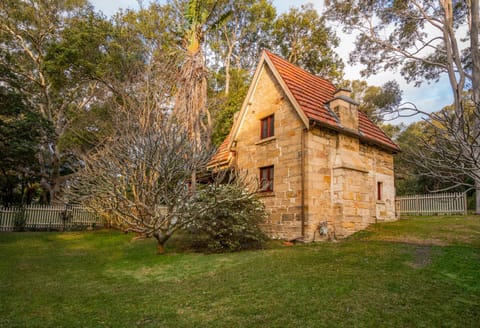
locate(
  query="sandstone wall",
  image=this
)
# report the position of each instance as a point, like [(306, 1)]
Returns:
[(341, 173), (282, 151), (318, 181), (341, 185)]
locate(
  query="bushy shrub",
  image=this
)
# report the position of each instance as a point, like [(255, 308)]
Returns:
[(20, 220), (231, 222), (471, 202)]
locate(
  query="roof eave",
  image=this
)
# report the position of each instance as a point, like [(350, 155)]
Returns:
[(352, 133), (393, 150)]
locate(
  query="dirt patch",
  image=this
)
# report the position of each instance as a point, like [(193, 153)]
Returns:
[(414, 240), (423, 257)]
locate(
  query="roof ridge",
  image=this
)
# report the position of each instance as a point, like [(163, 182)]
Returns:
[(287, 63)]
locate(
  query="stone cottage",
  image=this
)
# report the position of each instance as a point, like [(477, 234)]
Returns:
[(325, 170)]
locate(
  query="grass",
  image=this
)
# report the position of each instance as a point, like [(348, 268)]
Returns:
[(420, 272)]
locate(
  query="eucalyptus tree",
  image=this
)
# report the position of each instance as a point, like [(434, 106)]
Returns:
[(31, 34), (238, 41), (375, 101), (302, 37), (426, 40), (22, 132)]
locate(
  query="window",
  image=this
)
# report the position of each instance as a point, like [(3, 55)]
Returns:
[(267, 127), (379, 190), (266, 178)]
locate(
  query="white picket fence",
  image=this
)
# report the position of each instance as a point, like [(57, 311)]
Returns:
[(431, 204), (46, 217)]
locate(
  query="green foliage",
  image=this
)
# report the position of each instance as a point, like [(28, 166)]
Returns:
[(471, 202), (375, 101), (233, 224), (20, 220), (226, 106), (407, 179), (87, 129), (238, 42), (82, 52), (303, 38), (52, 50), (22, 131), (411, 176)]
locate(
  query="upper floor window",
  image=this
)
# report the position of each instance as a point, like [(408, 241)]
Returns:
[(267, 127), (266, 178)]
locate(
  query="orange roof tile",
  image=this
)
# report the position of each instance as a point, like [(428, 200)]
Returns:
[(223, 155), (310, 91), (370, 132)]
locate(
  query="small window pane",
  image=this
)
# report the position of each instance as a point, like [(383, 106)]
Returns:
[(264, 129), (266, 178), (379, 191), (267, 127), (271, 126)]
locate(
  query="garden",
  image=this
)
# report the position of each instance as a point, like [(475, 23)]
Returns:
[(422, 272)]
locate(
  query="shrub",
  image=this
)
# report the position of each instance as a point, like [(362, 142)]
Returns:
[(232, 224), (20, 220)]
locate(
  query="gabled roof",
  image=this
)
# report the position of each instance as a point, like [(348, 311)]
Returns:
[(310, 91), (312, 94), (223, 156), (309, 95)]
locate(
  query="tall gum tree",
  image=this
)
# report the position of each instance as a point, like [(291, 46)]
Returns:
[(239, 39), (29, 33), (425, 40), (303, 38)]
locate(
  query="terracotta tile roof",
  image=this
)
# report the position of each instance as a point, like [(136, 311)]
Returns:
[(223, 155), (312, 93), (370, 132)]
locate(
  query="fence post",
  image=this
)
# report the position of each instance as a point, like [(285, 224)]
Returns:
[(417, 205)]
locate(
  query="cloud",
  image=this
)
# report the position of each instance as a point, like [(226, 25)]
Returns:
[(109, 8)]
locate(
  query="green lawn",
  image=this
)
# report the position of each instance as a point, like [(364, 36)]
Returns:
[(420, 272)]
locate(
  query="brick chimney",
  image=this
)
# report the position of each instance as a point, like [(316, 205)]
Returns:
[(345, 108)]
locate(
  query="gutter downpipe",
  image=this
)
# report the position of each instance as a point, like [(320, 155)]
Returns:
[(302, 180)]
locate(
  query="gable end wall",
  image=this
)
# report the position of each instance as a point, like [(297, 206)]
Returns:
[(282, 151)]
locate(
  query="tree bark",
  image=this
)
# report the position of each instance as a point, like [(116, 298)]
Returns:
[(475, 50), (161, 238), (160, 248)]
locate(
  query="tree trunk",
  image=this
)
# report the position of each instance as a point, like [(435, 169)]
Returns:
[(161, 240), (193, 183), (227, 69), (475, 53), (477, 196), (160, 248)]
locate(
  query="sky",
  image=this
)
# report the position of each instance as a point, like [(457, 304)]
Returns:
[(428, 97)]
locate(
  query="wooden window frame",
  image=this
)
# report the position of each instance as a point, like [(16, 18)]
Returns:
[(267, 127), (266, 185)]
